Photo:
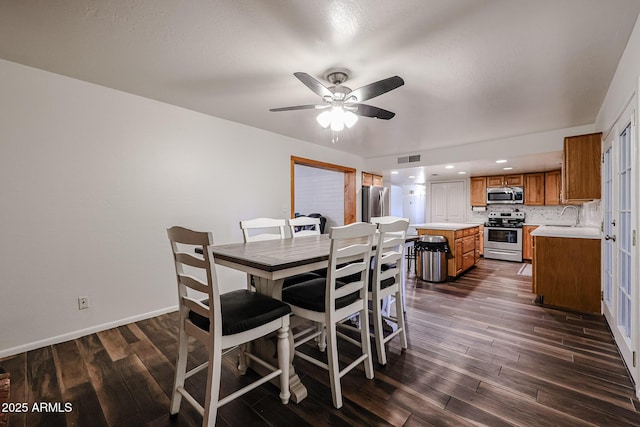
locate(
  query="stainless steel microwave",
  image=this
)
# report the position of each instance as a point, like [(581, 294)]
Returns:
[(505, 195)]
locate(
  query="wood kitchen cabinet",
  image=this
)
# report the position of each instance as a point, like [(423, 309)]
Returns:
[(481, 240), (534, 189), (457, 256), (581, 168), (566, 272), (552, 187), (462, 246), (370, 180), (478, 190), (516, 180), (542, 188), (527, 242)]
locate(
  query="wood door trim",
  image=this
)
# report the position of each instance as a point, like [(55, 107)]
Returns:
[(349, 184)]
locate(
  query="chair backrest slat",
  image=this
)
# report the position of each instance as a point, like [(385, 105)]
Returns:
[(268, 229), (196, 306), (311, 226), (192, 260), (193, 283)]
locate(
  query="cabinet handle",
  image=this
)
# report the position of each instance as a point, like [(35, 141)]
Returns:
[(607, 237), (613, 222)]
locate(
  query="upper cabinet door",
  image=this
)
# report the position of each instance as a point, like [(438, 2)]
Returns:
[(581, 168), (514, 180), (534, 189), (552, 188), (478, 190), (495, 181)]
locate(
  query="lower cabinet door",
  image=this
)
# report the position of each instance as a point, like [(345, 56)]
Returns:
[(468, 260)]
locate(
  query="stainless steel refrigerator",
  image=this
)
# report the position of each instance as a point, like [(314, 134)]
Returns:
[(375, 202)]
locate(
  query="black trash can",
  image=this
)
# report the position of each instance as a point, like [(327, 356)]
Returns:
[(431, 253)]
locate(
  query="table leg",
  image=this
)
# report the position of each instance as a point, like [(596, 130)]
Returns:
[(266, 348)]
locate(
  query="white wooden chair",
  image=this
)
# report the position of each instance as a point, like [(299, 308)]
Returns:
[(403, 278), (386, 282), (255, 230), (268, 229), (335, 298), (298, 227), (221, 323)]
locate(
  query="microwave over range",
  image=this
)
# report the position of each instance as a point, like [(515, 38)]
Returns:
[(510, 195)]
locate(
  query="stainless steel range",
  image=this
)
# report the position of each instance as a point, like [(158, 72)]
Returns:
[(503, 236)]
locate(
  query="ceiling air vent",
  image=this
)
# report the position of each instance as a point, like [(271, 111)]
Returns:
[(409, 159)]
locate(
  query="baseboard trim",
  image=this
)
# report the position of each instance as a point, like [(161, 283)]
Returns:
[(82, 332)]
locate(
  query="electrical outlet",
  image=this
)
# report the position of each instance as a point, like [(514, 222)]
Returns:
[(83, 303)]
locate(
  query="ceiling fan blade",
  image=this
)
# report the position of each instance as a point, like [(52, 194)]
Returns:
[(371, 111), (313, 84), (296, 107), (376, 89)]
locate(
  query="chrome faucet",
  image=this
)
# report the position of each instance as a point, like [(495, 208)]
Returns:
[(577, 214)]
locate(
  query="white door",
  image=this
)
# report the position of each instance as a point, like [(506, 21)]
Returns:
[(457, 201), (447, 201), (439, 202), (620, 284)]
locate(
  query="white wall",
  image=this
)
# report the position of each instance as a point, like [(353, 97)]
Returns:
[(396, 201), (414, 203), (320, 191), (623, 85), (91, 178)]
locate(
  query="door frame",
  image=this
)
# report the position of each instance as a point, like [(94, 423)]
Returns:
[(628, 348), (349, 185)]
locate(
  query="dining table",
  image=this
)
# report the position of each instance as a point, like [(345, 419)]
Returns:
[(270, 262)]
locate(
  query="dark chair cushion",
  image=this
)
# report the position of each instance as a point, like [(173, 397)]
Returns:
[(243, 310), (386, 282), (310, 295), (299, 278)]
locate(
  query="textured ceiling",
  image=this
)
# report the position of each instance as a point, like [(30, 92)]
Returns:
[(474, 70)]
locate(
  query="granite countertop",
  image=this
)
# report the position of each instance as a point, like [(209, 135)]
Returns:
[(450, 226), (567, 232)]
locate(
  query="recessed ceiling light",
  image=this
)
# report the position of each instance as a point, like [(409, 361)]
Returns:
[(501, 161), (461, 173), (449, 167), (411, 176), (394, 172), (507, 169)]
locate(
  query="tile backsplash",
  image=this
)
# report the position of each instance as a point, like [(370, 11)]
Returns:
[(590, 214)]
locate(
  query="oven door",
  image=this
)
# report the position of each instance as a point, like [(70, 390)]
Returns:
[(503, 243)]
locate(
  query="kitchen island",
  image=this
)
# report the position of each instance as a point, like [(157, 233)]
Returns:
[(463, 240), (566, 267)]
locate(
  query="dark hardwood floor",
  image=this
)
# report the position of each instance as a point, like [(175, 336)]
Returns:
[(480, 353)]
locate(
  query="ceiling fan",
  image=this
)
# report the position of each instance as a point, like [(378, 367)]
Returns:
[(341, 104)]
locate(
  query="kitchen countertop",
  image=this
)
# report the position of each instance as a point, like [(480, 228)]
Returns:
[(450, 226), (567, 232)]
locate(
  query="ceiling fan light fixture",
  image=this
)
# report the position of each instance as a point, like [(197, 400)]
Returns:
[(337, 121), (337, 118), (350, 118), (324, 118)]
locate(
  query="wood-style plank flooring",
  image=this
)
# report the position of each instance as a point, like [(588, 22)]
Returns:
[(480, 353)]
